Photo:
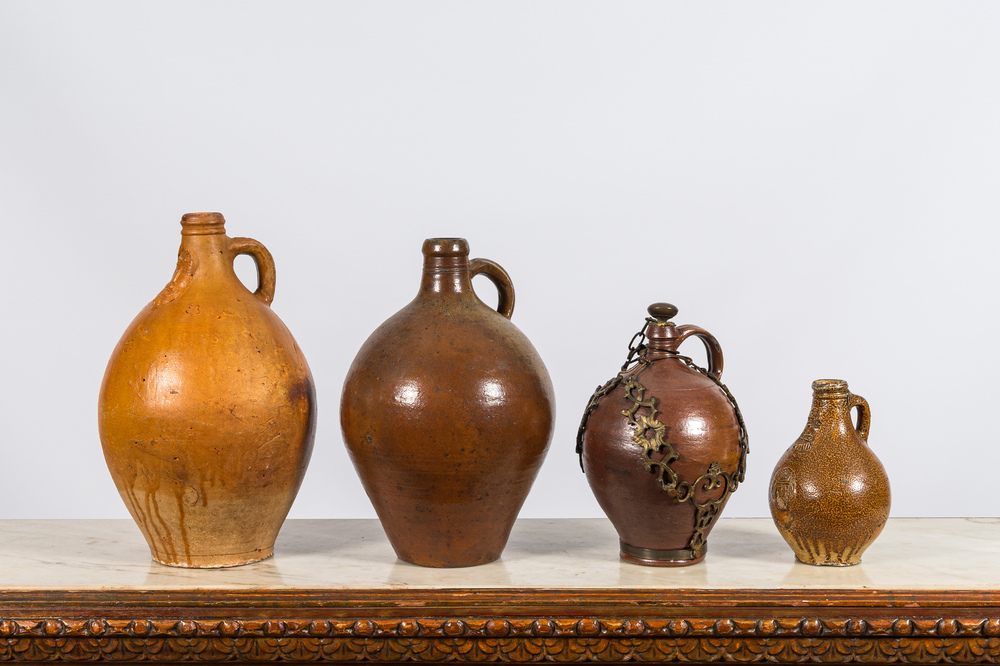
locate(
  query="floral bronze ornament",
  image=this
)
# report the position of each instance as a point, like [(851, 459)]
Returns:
[(666, 435)]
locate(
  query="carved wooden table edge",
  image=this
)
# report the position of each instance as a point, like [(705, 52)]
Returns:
[(509, 625)]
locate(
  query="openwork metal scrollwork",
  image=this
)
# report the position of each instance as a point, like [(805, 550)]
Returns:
[(649, 433)]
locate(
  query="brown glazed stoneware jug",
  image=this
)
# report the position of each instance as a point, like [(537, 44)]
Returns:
[(207, 409), (829, 494), (663, 445), (447, 412)]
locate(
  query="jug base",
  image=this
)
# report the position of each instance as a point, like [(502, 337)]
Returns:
[(829, 563), (661, 558), (217, 561)]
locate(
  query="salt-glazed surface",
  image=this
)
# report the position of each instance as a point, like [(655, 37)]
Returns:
[(911, 554)]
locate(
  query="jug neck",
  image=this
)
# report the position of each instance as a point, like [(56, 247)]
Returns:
[(203, 237), (662, 340), (446, 267), (831, 397), (831, 410)]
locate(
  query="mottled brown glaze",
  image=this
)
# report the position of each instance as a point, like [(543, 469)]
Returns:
[(695, 418), (447, 412), (829, 494), (206, 412)]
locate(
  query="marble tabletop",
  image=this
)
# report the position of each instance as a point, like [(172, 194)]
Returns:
[(911, 554)]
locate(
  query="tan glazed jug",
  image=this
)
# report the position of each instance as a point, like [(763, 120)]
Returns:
[(207, 409), (447, 412), (829, 494)]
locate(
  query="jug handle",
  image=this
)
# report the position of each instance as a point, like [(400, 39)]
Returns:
[(712, 347), (265, 265), (498, 276), (864, 415)]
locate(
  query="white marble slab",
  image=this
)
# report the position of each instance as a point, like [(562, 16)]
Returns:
[(911, 554)]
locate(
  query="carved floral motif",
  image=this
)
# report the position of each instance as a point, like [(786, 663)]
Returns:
[(766, 639)]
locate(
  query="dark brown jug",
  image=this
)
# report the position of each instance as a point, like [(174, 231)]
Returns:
[(663, 446), (447, 412), (829, 494), (206, 412)]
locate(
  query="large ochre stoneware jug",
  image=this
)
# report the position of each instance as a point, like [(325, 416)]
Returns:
[(663, 445), (207, 409), (447, 412)]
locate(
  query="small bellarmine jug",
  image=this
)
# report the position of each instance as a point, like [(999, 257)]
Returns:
[(829, 493)]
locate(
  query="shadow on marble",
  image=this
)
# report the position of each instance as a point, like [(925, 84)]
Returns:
[(336, 538), (742, 538), (816, 576), (554, 537), (265, 573), (637, 575), (405, 574)]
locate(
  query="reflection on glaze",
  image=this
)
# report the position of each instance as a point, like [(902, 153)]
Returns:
[(695, 426), (407, 394), (493, 393)]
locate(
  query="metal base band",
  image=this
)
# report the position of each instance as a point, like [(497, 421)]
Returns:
[(650, 555)]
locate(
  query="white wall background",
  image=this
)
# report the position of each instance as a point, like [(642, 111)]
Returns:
[(818, 184)]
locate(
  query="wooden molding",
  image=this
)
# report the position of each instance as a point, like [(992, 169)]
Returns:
[(510, 625)]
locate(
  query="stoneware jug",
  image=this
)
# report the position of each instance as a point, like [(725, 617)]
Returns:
[(663, 445), (829, 494), (447, 412), (206, 412)]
